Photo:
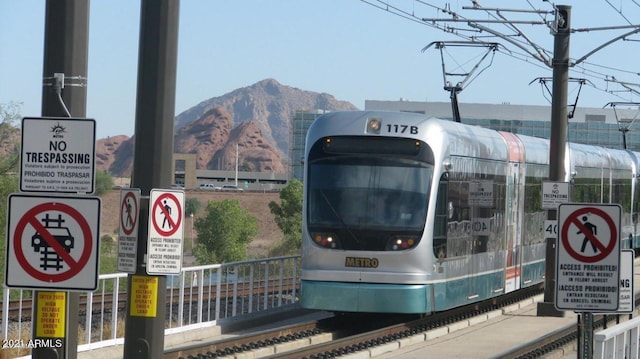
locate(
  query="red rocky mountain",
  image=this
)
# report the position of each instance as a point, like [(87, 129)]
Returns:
[(214, 141), (257, 118)]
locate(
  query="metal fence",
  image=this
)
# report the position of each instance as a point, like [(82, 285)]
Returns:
[(619, 341), (198, 297)]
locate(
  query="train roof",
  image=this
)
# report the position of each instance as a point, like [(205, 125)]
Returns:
[(450, 138), (458, 139)]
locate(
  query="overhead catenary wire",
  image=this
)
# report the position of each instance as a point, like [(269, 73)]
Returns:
[(523, 48), (619, 11)]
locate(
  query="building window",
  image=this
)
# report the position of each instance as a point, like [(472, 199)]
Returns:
[(595, 118)]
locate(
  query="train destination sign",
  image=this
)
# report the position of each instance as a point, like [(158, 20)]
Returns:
[(58, 155), (588, 257)]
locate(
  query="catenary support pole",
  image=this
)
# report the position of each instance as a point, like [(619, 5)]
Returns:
[(153, 157), (65, 52), (558, 143)]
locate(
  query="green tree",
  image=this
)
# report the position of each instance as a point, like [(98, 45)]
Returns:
[(8, 185), (191, 206), (224, 232), (9, 138), (104, 183), (288, 217), (245, 166), (108, 255)]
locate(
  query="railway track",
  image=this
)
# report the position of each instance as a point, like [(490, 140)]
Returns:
[(329, 339), (338, 335)]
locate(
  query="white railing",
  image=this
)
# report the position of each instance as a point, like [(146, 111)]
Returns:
[(619, 341), (198, 297)]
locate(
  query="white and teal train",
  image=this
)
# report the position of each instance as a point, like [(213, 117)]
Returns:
[(409, 214)]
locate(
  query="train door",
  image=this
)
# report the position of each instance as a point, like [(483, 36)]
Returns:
[(481, 200), (455, 252), (515, 207)]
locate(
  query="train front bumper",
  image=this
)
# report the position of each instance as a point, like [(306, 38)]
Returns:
[(366, 297)]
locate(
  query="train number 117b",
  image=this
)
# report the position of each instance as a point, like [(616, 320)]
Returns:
[(402, 129)]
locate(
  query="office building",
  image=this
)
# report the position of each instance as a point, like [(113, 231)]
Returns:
[(594, 126)]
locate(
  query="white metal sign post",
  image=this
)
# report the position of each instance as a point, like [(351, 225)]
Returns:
[(128, 230), (53, 242), (166, 232), (58, 155)]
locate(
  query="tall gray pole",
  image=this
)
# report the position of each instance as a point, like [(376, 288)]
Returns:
[(65, 52), (558, 143), (153, 157)]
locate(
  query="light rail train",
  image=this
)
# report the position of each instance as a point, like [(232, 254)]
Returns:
[(409, 214)]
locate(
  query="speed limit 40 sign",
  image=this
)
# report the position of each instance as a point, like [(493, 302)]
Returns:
[(550, 229)]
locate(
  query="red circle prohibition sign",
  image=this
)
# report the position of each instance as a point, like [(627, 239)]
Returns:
[(30, 218), (574, 218), (173, 226), (131, 214)]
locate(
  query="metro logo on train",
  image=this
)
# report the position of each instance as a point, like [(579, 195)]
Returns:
[(452, 213), (361, 262)]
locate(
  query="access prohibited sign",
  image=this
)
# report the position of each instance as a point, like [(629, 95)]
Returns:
[(588, 257), (53, 242), (128, 230), (590, 234), (166, 232)]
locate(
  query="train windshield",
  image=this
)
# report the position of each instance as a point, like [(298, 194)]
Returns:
[(368, 200)]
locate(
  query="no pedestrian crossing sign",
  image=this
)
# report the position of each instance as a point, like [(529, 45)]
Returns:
[(52, 242), (588, 257), (166, 231), (128, 230)]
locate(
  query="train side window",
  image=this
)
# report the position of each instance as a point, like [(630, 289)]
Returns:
[(444, 210)]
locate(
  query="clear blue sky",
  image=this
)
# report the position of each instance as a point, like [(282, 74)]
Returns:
[(346, 48)]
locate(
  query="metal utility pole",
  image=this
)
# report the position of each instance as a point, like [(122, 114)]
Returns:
[(558, 141), (153, 157), (65, 66)]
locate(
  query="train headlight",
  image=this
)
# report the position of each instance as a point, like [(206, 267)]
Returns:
[(400, 243), (326, 240), (373, 125)]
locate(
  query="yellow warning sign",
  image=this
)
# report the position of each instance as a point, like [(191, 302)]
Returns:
[(51, 314), (144, 296)]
